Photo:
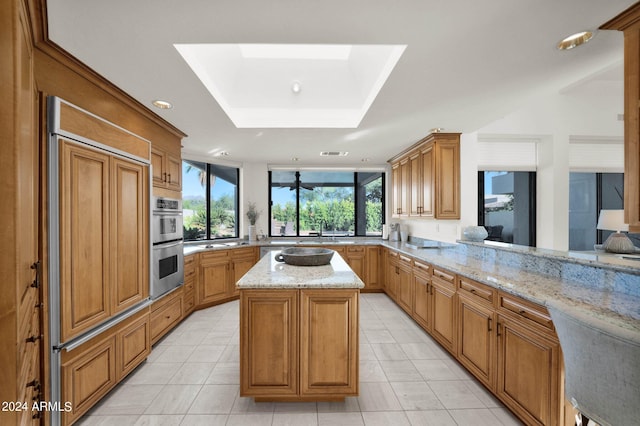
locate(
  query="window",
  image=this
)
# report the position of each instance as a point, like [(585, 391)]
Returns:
[(209, 201), (326, 203), (507, 206), (588, 194)]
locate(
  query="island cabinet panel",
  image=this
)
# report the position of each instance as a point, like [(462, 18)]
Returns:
[(356, 259), (329, 342), (269, 343), (372, 274), (241, 261)]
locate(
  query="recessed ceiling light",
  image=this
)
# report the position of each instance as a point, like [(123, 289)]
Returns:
[(334, 153), (222, 154), (158, 103), (575, 40), (295, 159), (366, 160), (296, 87)]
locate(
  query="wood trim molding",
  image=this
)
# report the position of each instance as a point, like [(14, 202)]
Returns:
[(624, 20)]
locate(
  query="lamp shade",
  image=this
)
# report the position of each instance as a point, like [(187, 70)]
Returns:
[(612, 220)]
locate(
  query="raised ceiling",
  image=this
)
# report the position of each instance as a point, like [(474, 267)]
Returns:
[(466, 64)]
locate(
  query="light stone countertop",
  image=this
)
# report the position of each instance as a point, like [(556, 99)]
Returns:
[(268, 273)]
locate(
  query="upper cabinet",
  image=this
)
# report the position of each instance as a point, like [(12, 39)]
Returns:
[(629, 22), (166, 169), (426, 178)]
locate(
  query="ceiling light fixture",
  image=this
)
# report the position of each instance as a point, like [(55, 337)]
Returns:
[(296, 87), (575, 40), (158, 103), (222, 154)]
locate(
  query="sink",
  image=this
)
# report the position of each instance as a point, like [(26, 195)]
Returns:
[(214, 245), (236, 243)]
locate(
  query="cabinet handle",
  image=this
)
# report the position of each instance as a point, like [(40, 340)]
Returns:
[(472, 290), (32, 339), (431, 289), (489, 324), (169, 179), (34, 383), (37, 266), (498, 329), (164, 176)]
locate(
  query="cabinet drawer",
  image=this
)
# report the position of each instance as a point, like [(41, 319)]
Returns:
[(355, 250), (477, 290), (394, 255), (444, 275), (421, 268), (189, 301), (527, 310), (163, 319), (405, 261), (244, 252), (214, 256)]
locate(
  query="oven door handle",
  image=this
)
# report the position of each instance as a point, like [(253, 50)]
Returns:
[(168, 245)]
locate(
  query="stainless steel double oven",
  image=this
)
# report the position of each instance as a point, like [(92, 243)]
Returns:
[(168, 257)]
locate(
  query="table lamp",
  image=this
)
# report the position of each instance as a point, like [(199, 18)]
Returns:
[(613, 220)]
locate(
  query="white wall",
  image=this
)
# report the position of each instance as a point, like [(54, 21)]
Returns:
[(254, 188)]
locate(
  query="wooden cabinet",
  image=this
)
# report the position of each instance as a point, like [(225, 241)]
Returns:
[(426, 178), (166, 170), (443, 294), (404, 285), (372, 274), (284, 344), (191, 263), (95, 367), (219, 272), (166, 313), (629, 22), (103, 236), (391, 276), (269, 343), (528, 371), (355, 256), (476, 332), (422, 310)]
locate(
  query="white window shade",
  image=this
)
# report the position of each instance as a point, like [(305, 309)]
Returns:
[(519, 156), (604, 156)]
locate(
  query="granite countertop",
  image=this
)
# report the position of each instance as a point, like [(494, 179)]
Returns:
[(602, 290), (271, 274)]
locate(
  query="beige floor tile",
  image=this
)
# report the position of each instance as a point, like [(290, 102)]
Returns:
[(231, 353), (431, 418), (378, 397), (192, 373), (416, 396), (173, 399), (296, 407), (400, 371), (124, 420), (128, 399), (251, 419), (505, 416), (204, 420), (483, 394), (225, 373), (366, 352), (349, 404), (476, 417), (206, 353), (388, 351), (340, 419), (371, 371), (385, 418), (434, 369), (379, 336), (455, 394), (420, 350), (214, 399), (295, 419), (248, 405), (176, 353), (159, 420), (157, 373)]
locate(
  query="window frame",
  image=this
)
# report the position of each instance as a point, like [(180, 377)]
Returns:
[(356, 202), (207, 193)]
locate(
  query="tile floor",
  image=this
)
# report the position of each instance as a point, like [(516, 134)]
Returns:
[(192, 378)]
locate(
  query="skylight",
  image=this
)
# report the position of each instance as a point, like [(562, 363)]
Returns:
[(292, 85)]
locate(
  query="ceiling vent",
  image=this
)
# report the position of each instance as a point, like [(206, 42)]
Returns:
[(334, 153)]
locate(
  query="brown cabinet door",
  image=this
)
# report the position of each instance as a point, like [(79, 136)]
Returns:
[(447, 177), (443, 304), (427, 175), (240, 267), (476, 339), (158, 171), (404, 290), (329, 342), (405, 187), (528, 372), (85, 298), (422, 301), (87, 377), (129, 233), (174, 173), (396, 188), (134, 345), (372, 268), (214, 281), (415, 185), (269, 343)]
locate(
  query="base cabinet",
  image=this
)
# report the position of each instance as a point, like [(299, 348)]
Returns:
[(284, 339), (443, 296), (91, 370), (219, 272), (477, 339)]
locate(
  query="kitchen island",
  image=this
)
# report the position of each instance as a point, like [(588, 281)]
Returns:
[(299, 331)]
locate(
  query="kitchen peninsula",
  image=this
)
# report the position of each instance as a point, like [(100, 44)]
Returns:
[(299, 331)]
